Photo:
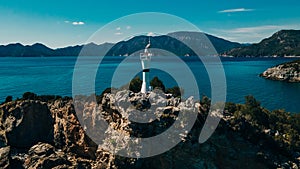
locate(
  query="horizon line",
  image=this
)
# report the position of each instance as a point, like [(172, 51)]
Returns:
[(83, 44)]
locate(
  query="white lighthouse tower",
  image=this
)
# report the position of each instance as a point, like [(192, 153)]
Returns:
[(145, 59)]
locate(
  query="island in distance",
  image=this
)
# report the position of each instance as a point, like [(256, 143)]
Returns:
[(289, 72)]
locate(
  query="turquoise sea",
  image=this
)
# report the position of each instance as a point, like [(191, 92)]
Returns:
[(53, 75)]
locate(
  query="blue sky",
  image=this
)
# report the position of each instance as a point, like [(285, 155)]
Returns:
[(59, 24)]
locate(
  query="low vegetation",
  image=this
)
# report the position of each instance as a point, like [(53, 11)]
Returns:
[(277, 129)]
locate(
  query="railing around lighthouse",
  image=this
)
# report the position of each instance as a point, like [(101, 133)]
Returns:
[(145, 56)]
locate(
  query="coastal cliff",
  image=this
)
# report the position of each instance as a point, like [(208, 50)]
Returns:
[(45, 132), (289, 72)]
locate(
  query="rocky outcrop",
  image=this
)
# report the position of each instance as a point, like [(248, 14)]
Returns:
[(44, 135), (43, 155), (289, 72), (20, 119), (58, 136), (68, 133)]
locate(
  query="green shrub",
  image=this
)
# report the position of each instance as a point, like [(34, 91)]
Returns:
[(29, 96), (157, 83), (175, 91), (135, 85), (230, 107), (252, 107), (8, 99)]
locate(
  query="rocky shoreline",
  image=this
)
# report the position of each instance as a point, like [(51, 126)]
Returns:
[(289, 72), (45, 132)]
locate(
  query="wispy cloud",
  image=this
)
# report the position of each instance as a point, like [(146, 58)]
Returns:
[(249, 34), (120, 28), (118, 33), (256, 29), (236, 10), (74, 22), (78, 23)]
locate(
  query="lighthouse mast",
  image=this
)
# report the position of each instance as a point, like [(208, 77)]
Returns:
[(145, 60)]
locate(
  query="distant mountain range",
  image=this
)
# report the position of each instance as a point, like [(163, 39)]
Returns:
[(282, 43), (39, 50), (166, 42), (173, 42)]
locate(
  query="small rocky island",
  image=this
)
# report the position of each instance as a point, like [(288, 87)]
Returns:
[(289, 72), (44, 132)]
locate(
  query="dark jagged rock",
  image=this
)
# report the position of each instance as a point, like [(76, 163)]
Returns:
[(68, 133), (21, 118), (25, 123), (289, 72), (42, 155)]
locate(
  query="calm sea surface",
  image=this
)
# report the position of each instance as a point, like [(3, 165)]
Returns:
[(53, 75)]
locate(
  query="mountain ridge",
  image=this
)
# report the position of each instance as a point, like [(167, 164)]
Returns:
[(280, 44), (40, 50), (119, 49), (175, 43)]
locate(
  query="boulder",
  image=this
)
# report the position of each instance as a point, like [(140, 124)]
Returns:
[(26, 123), (43, 155)]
